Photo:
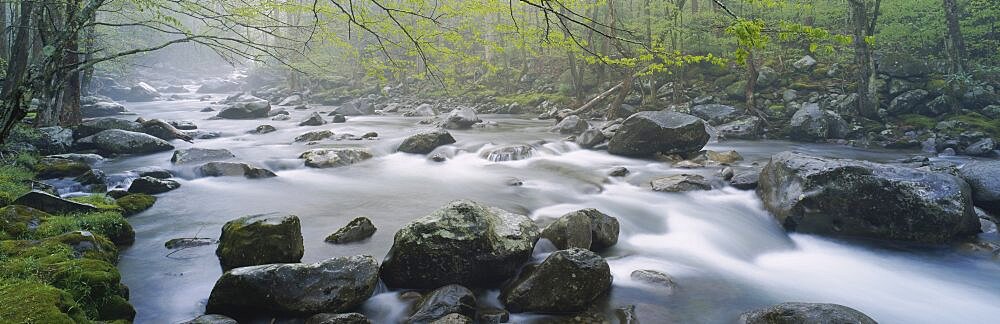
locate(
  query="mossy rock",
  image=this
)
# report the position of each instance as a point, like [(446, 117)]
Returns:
[(19, 221), (101, 201), (50, 168), (135, 203), (24, 256), (87, 245), (35, 302), (806, 86), (93, 283), (917, 121), (108, 224), (115, 308), (260, 239)]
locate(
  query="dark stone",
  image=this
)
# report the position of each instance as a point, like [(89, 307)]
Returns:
[(984, 178), (571, 125), (650, 132), (152, 186), (234, 169), (94, 126), (746, 180), (260, 239), (125, 142), (332, 286), (358, 229), (745, 128), (313, 120), (426, 142), (590, 138), (212, 319), (567, 281), (246, 110), (810, 124), (586, 228), (462, 243), (619, 172), (195, 154), (338, 118), (680, 183), (715, 114), (52, 204), (443, 301), (332, 318), (805, 313), (863, 199), (263, 129)]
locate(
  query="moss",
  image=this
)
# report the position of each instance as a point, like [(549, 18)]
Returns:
[(976, 121), (532, 99), (135, 203), (19, 221), (36, 302), (108, 224), (87, 245), (916, 121), (92, 283), (50, 168), (806, 86), (101, 201), (15, 181)]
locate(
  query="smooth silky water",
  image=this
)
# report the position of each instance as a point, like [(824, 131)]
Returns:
[(725, 252)]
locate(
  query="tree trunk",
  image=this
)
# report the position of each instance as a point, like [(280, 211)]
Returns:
[(4, 45), (867, 96), (956, 48), (13, 91), (70, 114), (751, 87)]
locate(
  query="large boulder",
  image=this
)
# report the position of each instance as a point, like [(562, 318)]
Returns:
[(53, 167), (142, 92), (356, 107), (93, 126), (586, 229), (233, 169), (745, 128), (102, 109), (805, 313), (260, 239), (571, 125), (863, 199), (461, 118), (335, 285), (314, 119), (984, 178), (118, 141), (246, 110), (680, 183), (197, 154), (450, 299), (335, 157), (54, 140), (650, 132), (715, 114), (811, 123), (902, 65), (425, 142), (908, 102), (567, 281), (152, 186), (51, 204), (590, 138), (805, 63), (462, 243)]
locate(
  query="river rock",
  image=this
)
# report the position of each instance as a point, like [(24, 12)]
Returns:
[(805, 313), (183, 124), (810, 123), (508, 153), (94, 126), (118, 141), (450, 299), (54, 140), (260, 239), (908, 102), (586, 228), (454, 318), (152, 186), (863, 199), (212, 319), (984, 178), (805, 63), (567, 281), (246, 110), (745, 128), (332, 318), (650, 132), (293, 100), (461, 118), (358, 229), (654, 278), (142, 92), (102, 109), (745, 180), (571, 125), (590, 138), (715, 114), (234, 169), (335, 157), (51, 204), (163, 130), (462, 243), (619, 172), (983, 147), (335, 285), (339, 118), (52, 167), (196, 154), (218, 86), (680, 183), (425, 142), (424, 110), (152, 171), (356, 107), (314, 120), (263, 129), (314, 136)]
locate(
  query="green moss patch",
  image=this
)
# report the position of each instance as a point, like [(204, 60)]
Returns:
[(36, 302), (108, 224), (101, 201), (15, 181), (135, 203)]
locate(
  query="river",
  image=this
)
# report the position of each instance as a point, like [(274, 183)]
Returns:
[(725, 252)]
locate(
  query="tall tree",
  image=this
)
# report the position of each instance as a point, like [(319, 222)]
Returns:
[(863, 29), (956, 43)]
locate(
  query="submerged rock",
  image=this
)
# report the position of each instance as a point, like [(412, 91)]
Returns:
[(234, 169), (152, 186), (246, 110), (335, 157), (571, 125), (462, 243), (586, 228), (263, 129), (450, 299), (805, 313), (857, 198), (508, 153), (650, 132), (426, 142), (358, 229), (314, 136), (680, 183), (331, 286), (590, 138), (461, 118), (654, 278), (313, 120), (196, 154), (260, 239), (567, 281)]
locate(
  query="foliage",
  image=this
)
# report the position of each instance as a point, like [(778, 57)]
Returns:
[(15, 181)]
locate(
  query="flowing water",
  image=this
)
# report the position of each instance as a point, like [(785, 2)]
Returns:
[(726, 254)]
